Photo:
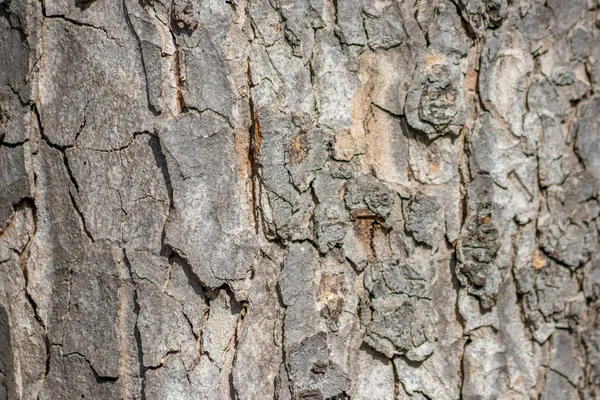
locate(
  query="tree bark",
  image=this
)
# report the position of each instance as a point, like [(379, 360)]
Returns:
[(285, 199)]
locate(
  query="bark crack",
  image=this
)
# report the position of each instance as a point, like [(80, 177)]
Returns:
[(254, 151)]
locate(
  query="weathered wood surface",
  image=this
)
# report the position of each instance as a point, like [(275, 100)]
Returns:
[(299, 199)]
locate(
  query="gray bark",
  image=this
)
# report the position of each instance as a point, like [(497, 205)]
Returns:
[(299, 199)]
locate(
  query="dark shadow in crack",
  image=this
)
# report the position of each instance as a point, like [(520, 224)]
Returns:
[(7, 375)]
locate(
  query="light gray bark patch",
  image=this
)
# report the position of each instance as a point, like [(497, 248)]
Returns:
[(59, 241), (349, 18), (203, 67), (552, 300), (300, 21), (220, 327), (71, 106), (55, 190), (587, 143), (557, 387), (285, 220), (70, 376), (482, 375), (434, 378), (383, 24), (150, 42), (306, 154), (163, 328), (297, 290), (98, 196), (374, 377), (170, 381), (503, 77), (424, 219), (334, 81), (259, 346), (591, 281), (173, 381), (105, 17), (206, 225), (330, 225), (565, 356), (184, 288), (566, 228), (313, 375), (88, 327)]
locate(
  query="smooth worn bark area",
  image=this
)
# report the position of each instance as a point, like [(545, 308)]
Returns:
[(299, 199)]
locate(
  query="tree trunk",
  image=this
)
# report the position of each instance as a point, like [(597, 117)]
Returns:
[(285, 199)]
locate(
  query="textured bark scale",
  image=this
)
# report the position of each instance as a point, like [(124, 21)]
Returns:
[(299, 199)]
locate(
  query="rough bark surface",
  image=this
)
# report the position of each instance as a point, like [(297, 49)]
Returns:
[(299, 199)]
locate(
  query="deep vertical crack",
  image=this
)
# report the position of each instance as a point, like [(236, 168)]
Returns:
[(254, 151)]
